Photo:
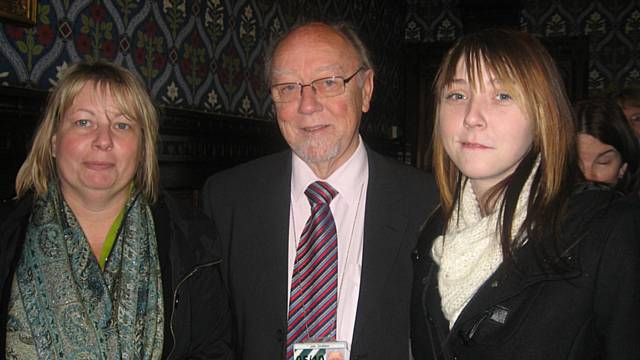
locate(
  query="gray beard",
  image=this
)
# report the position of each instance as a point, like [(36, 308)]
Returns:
[(309, 154)]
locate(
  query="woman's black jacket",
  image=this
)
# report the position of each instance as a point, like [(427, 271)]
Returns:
[(197, 317), (530, 310)]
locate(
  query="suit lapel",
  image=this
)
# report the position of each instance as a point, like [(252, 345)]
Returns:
[(383, 230), (270, 211)]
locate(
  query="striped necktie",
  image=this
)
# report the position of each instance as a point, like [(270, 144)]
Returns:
[(314, 282)]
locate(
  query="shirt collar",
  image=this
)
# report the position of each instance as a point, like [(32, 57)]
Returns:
[(347, 179)]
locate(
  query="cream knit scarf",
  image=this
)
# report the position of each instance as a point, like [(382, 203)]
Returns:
[(472, 250)]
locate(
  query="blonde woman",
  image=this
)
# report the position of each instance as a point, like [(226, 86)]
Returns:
[(519, 262), (95, 261)]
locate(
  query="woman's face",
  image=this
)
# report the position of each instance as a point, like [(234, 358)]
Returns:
[(484, 131), (599, 161), (96, 147)]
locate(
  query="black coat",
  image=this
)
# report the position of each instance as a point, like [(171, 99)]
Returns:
[(250, 205), (197, 317), (590, 310)]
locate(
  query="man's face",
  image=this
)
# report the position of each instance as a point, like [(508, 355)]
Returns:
[(321, 131)]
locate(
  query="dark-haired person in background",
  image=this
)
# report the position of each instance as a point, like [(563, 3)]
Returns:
[(608, 150)]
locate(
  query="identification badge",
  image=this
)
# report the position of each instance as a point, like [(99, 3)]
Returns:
[(330, 350)]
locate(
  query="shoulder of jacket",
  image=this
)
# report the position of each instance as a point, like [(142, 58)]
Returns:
[(177, 211), (396, 168), (196, 231), (13, 210), (595, 200), (597, 215), (254, 170)]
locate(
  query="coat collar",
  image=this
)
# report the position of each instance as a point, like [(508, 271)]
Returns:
[(383, 230), (506, 282)]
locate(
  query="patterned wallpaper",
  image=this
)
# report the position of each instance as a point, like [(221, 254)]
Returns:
[(202, 55), (207, 55), (612, 28)]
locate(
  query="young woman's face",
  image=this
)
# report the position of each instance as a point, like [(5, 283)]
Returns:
[(599, 161), (484, 131)]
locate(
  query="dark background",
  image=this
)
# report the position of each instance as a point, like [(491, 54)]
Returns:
[(202, 64)]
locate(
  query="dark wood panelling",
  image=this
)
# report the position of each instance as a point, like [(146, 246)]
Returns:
[(192, 146), (20, 110)]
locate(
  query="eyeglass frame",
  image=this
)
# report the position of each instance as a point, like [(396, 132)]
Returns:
[(345, 81)]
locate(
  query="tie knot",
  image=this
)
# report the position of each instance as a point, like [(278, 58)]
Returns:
[(320, 192)]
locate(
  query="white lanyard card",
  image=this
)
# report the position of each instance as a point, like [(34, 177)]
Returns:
[(330, 350)]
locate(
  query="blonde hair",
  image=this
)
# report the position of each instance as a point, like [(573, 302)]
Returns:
[(522, 64), (131, 98)]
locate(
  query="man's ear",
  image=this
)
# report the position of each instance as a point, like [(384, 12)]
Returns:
[(367, 89)]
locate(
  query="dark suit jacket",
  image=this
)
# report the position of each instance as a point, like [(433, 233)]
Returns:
[(588, 311), (250, 205)]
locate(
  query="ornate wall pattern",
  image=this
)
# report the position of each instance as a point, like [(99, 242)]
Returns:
[(611, 27), (203, 55)]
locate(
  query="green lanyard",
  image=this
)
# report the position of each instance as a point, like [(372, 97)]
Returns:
[(111, 235)]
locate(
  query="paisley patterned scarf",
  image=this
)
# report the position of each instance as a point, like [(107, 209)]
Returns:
[(73, 309)]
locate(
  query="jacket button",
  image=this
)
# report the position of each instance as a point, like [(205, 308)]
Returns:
[(425, 280), (279, 335)]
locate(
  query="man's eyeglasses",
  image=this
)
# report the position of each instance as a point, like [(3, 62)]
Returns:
[(324, 87)]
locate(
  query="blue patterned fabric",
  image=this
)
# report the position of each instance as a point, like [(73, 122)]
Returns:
[(68, 308)]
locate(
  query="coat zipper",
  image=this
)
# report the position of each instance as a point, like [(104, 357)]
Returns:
[(175, 295)]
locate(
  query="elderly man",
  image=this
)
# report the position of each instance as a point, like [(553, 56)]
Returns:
[(318, 238)]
